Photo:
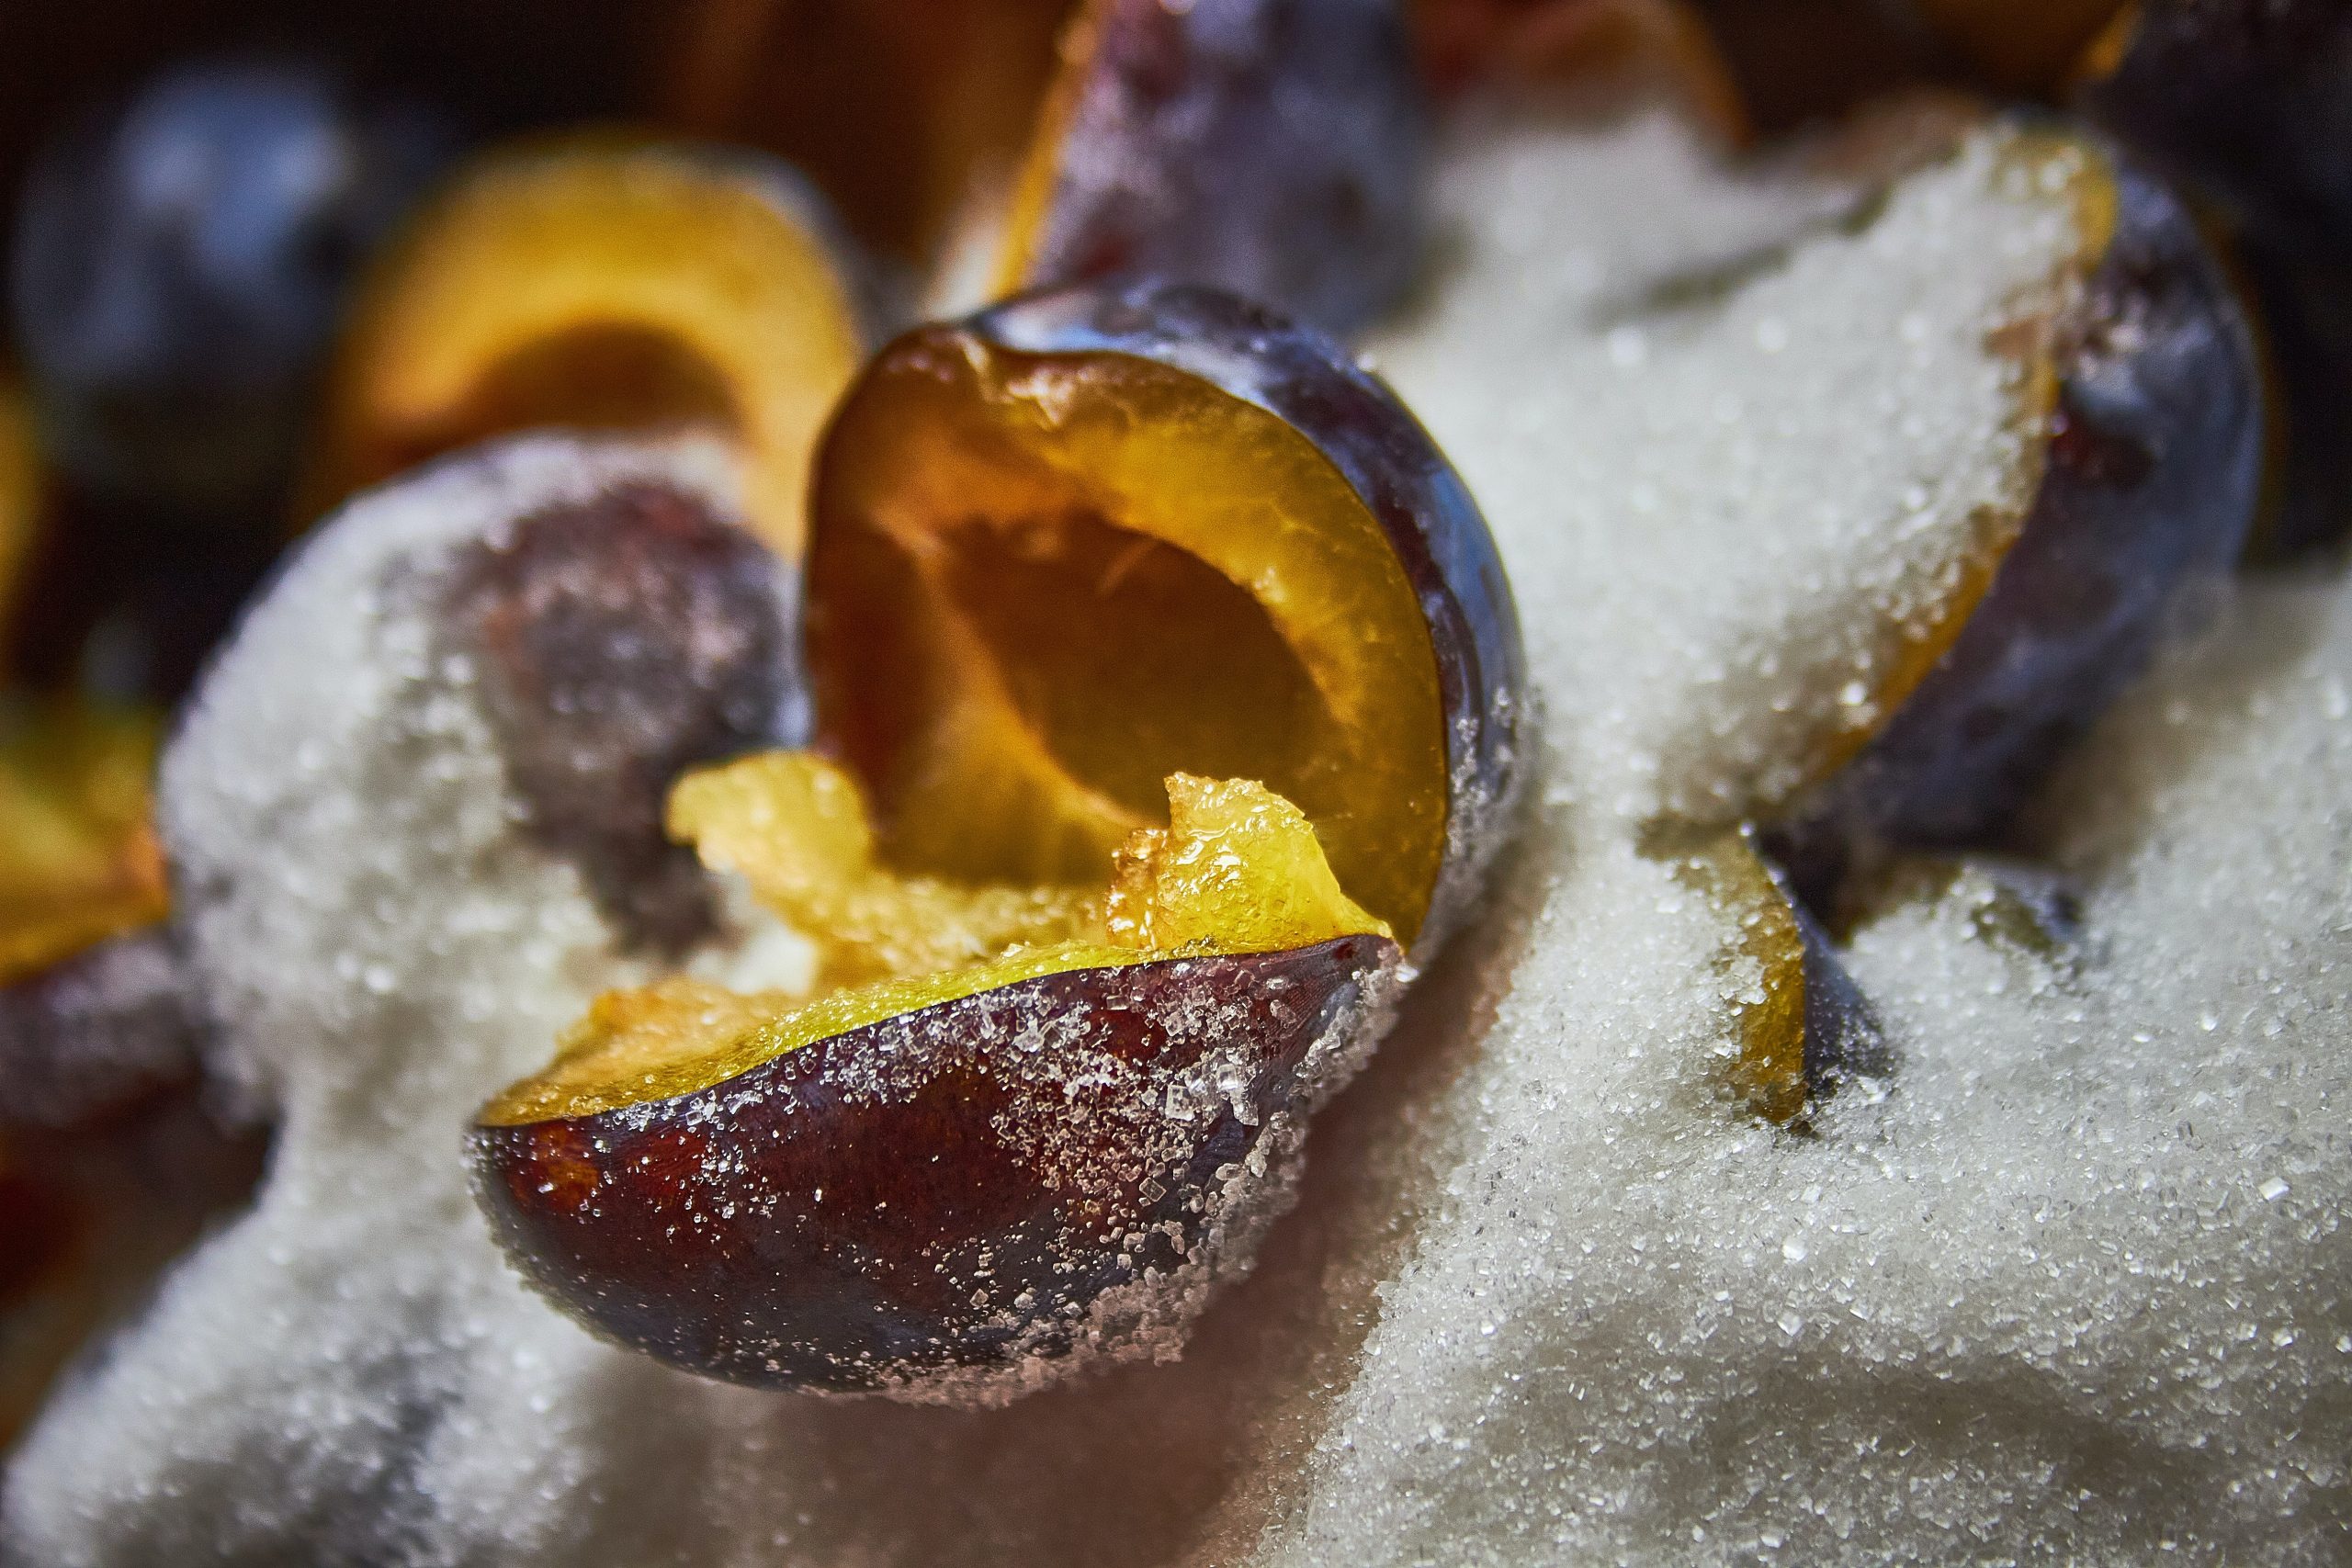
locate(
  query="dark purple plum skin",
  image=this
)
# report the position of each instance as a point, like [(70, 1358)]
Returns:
[(924, 1194), (2249, 101), (1275, 148), (2153, 474), (99, 1032), (622, 642), (2249, 104), (1367, 434)]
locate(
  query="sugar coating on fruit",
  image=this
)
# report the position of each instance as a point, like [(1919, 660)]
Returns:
[(2073, 1284)]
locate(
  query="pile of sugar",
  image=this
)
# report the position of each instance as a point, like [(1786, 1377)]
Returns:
[(2074, 1283)]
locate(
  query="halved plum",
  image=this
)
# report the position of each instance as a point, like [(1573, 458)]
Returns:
[(1800, 1027), (604, 283), (1169, 696), (2149, 449), (1274, 148), (79, 859)]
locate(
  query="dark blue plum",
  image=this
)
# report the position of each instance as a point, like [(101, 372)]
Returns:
[(2249, 101), (2152, 474), (1273, 148), (180, 261)]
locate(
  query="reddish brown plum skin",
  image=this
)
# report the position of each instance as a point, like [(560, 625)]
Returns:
[(1368, 435), (2153, 475), (1274, 148), (925, 1194)]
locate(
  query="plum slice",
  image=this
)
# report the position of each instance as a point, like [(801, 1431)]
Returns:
[(603, 282), (1800, 1026), (2148, 439), (1273, 148), (1168, 698)]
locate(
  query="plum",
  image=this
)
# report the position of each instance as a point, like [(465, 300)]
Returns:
[(606, 282), (1091, 545), (1800, 1026), (594, 717), (181, 260), (79, 859), (1271, 148), (2250, 101), (2151, 466)]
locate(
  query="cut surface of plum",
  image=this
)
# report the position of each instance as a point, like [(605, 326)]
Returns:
[(1100, 584), (1155, 531), (1236, 870), (608, 284), (79, 859)]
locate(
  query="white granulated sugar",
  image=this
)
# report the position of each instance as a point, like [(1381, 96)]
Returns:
[(1753, 458), (2074, 1286)]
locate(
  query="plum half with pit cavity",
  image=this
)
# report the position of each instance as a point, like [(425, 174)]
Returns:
[(604, 283), (1169, 706)]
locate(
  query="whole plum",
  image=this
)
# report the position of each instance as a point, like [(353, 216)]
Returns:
[(180, 261)]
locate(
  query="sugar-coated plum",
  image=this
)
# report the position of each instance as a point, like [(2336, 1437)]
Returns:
[(1800, 1026), (1273, 148), (180, 263), (970, 1185), (2150, 471), (2250, 101), (594, 717), (609, 283), (1169, 695)]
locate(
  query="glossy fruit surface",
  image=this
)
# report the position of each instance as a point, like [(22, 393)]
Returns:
[(1273, 148), (180, 263), (1050, 1081), (2150, 474), (927, 1192), (602, 284), (1098, 575)]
